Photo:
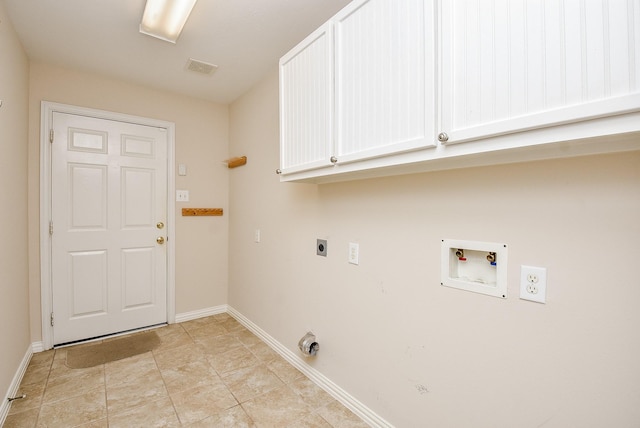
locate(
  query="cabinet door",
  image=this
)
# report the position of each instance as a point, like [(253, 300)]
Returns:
[(306, 103), (384, 78), (515, 65)]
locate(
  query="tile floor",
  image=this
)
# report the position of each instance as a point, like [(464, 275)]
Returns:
[(209, 372)]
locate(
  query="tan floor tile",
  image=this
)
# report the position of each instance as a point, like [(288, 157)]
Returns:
[(195, 404), (36, 374), (311, 393), (189, 376), (169, 329), (125, 370), (88, 407), (159, 413), (24, 419), (249, 382), (59, 369), (285, 371), (247, 337), (232, 360), (278, 408), (340, 417), (59, 358), (222, 317), (179, 356), (235, 417), (172, 338), (135, 392), (33, 399), (42, 358), (199, 323), (311, 420), (263, 352), (232, 325), (219, 344), (210, 330), (178, 384), (73, 383), (102, 423)]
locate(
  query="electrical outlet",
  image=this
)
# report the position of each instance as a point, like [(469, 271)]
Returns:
[(321, 247), (533, 284), (182, 196)]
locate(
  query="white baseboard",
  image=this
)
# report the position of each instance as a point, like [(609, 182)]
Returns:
[(201, 313), (368, 415), (37, 347), (15, 385)]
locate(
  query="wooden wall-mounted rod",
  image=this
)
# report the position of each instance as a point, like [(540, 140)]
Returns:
[(189, 212), (236, 162)]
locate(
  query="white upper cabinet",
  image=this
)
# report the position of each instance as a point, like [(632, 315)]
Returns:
[(384, 78), (400, 86), (306, 103), (361, 87), (516, 65)]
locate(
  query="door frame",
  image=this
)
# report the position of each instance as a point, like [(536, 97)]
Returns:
[(46, 123)]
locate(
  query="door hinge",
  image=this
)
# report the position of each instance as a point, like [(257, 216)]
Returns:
[(51, 135), (51, 228), (51, 319)]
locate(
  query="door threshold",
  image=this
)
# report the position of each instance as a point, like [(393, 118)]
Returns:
[(108, 336)]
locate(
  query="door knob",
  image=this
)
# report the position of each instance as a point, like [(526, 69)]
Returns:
[(160, 239), (160, 225)]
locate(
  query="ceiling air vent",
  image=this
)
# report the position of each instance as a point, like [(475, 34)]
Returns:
[(201, 67)]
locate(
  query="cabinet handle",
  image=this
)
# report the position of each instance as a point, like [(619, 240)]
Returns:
[(278, 171), (443, 137), (333, 159)]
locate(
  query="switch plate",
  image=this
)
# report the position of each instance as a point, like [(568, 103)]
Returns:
[(354, 253), (182, 169), (533, 284), (321, 247), (182, 196), (256, 236)]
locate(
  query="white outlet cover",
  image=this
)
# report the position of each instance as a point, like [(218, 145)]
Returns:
[(533, 283), (354, 253), (182, 196)]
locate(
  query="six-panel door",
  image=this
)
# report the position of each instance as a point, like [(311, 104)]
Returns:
[(109, 207)]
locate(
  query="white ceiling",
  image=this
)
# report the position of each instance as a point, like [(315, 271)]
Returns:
[(245, 38)]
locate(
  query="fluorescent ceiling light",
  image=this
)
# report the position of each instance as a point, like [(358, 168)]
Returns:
[(164, 19)]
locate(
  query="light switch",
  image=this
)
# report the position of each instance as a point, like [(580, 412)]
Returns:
[(182, 169), (182, 196), (354, 253)]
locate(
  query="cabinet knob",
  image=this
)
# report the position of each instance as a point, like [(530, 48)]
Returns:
[(278, 171), (443, 137), (334, 159)]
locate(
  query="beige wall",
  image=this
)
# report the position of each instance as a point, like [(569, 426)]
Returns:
[(14, 291), (201, 144), (420, 354)]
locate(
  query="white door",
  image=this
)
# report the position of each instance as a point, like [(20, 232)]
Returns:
[(108, 211)]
